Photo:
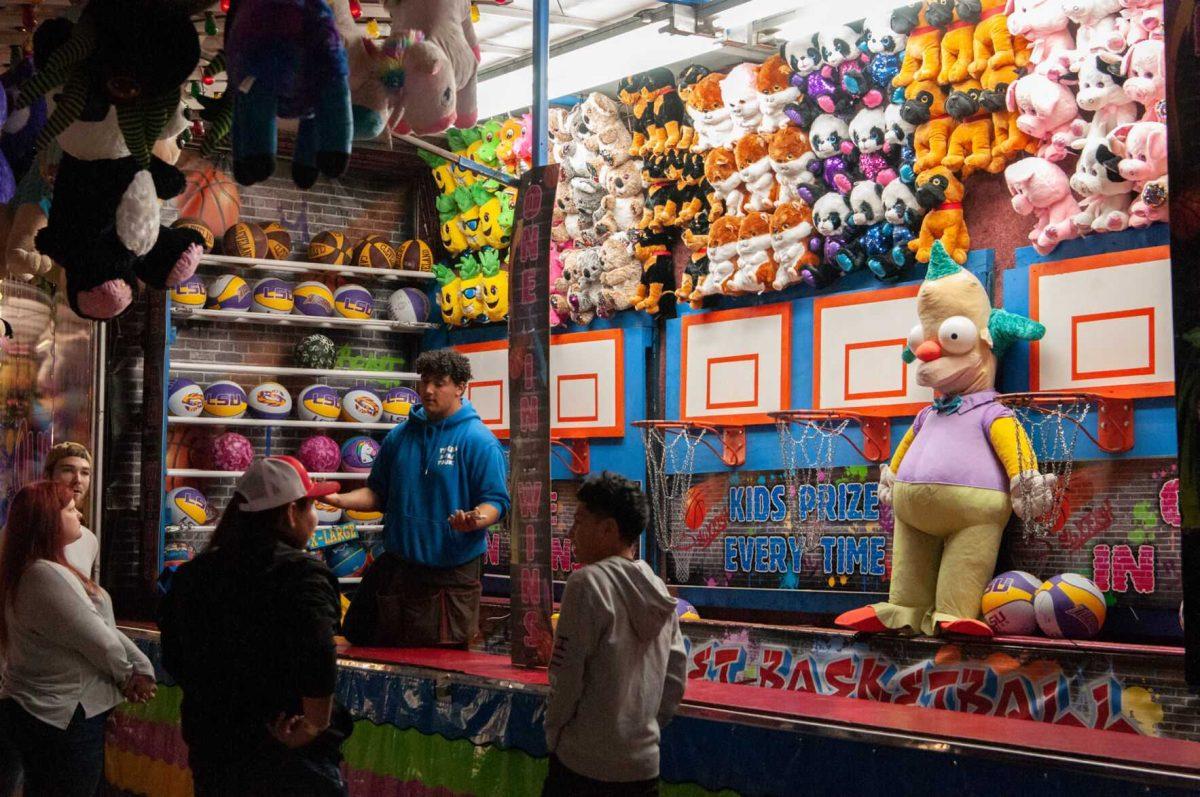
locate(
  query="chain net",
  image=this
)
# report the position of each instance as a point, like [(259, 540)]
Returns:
[(670, 468), (1053, 430), (807, 448)]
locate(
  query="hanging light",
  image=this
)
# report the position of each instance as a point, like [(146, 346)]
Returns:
[(373, 29), (355, 9), (210, 24), (208, 80), (224, 6)]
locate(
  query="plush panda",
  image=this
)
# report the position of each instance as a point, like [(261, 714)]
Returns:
[(867, 131), (873, 245), (836, 155), (886, 49), (840, 52), (817, 90), (904, 213), (831, 219)]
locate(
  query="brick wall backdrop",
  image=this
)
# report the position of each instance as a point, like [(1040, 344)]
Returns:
[(364, 202)]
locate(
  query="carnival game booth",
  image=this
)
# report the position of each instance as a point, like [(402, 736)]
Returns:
[(754, 254)]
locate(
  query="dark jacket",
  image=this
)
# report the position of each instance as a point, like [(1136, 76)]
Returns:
[(246, 635)]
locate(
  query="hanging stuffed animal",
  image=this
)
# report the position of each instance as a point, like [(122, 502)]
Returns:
[(722, 256), (370, 103), (449, 298), (728, 195), (873, 244), (1040, 188), (963, 468), (941, 194), (655, 293), (1139, 153), (669, 127), (867, 132), (559, 308), (922, 49), (1046, 25), (904, 213), (775, 92), (695, 238), (1145, 69), (925, 107), (1104, 193), (886, 49), (710, 117), (754, 165), (970, 147), (741, 99), (995, 60), (1048, 114), (303, 75), (434, 64), (1101, 91), (495, 286), (849, 67), (836, 155), (623, 204), (756, 261), (620, 275), (831, 219), (791, 231), (791, 155), (803, 57)]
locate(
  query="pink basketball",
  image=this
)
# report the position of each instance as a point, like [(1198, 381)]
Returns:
[(232, 451), (320, 454)]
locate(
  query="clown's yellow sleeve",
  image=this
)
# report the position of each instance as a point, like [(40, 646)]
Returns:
[(902, 449), (1012, 446)]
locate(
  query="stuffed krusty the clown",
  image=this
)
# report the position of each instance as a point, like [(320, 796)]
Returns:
[(962, 469)]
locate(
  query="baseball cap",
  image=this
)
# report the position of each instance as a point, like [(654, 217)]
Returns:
[(61, 451), (275, 481)]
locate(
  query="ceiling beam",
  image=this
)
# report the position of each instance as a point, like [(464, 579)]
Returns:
[(502, 49), (526, 14)]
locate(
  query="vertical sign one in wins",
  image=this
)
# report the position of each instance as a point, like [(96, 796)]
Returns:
[(529, 409)]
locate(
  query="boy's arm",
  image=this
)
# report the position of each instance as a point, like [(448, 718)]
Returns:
[(489, 479), (676, 676), (574, 640)]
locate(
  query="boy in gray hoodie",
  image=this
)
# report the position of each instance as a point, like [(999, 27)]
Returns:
[(618, 669)]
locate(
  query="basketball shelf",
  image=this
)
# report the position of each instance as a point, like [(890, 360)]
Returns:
[(280, 319), (301, 267), (264, 423), (190, 473), (272, 370), (733, 437), (876, 430)]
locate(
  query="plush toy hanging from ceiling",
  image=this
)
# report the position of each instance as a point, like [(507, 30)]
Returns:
[(121, 69), (956, 477)]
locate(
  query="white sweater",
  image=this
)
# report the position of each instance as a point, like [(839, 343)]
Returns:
[(64, 649), (618, 671)]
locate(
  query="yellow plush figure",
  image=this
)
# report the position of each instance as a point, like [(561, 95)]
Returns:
[(453, 236), (495, 286), (443, 175), (962, 469), (448, 295), (470, 289), (492, 230)]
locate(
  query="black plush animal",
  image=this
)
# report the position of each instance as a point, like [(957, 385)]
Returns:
[(656, 292), (629, 91), (670, 126)]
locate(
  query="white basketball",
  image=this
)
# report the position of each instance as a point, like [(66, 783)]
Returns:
[(185, 399), (270, 400), (328, 514), (361, 406)]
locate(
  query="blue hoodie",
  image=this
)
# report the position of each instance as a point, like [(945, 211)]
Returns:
[(426, 471)]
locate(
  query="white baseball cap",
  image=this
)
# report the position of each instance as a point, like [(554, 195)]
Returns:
[(276, 481)]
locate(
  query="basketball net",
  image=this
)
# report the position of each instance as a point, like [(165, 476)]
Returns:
[(1053, 430), (670, 461), (807, 447)]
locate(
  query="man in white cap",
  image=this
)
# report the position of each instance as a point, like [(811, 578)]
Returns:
[(248, 633), (71, 464)]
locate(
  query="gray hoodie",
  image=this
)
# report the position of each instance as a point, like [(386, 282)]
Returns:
[(617, 673)]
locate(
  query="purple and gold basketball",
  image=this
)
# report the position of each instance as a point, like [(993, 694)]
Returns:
[(353, 301), (1070, 606)]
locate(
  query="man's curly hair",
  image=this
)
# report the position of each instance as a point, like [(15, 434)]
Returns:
[(444, 362), (611, 495)]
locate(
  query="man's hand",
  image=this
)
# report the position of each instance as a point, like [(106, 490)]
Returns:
[(293, 732), (139, 688), (333, 499), (464, 520)]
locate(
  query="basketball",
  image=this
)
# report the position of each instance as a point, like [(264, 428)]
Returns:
[(328, 514), (187, 448), (176, 553), (244, 240), (1008, 602), (414, 256), (685, 611), (200, 227), (210, 196), (272, 295), (279, 241), (1069, 606), (398, 403), (409, 305), (317, 352), (363, 517), (329, 248), (353, 301), (312, 299), (695, 508), (361, 406), (320, 454), (347, 559), (374, 251), (232, 451), (270, 400), (229, 292), (225, 400), (358, 454), (187, 506), (185, 399), (190, 293), (319, 403)]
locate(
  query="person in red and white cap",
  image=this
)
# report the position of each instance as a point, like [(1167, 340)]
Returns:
[(248, 633)]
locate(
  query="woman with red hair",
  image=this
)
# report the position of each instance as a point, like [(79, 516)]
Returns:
[(66, 664)]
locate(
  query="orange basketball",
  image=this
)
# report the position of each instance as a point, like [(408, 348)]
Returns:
[(695, 509), (187, 448), (210, 196), (414, 256)]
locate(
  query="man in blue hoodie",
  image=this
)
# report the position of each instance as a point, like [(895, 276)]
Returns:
[(441, 480)]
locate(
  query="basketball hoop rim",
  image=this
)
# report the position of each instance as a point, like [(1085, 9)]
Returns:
[(1035, 399), (732, 437), (1114, 421)]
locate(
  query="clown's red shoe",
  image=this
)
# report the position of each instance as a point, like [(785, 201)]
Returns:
[(963, 627), (862, 619)]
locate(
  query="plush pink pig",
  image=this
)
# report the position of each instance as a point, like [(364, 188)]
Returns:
[(1142, 149), (1100, 30), (1041, 188), (1145, 67), (1143, 20), (1043, 23), (1048, 113)]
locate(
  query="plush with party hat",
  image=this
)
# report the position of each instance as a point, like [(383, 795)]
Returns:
[(962, 470)]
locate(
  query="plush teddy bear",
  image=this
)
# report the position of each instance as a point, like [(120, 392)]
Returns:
[(1101, 91), (817, 92), (756, 261), (754, 165), (587, 196), (728, 196), (867, 132), (836, 156), (1048, 114), (738, 92), (791, 154), (584, 296), (775, 92), (711, 120), (1104, 193), (723, 236), (655, 293), (1145, 68), (559, 307), (1040, 188), (620, 276), (791, 231), (439, 56), (623, 204)]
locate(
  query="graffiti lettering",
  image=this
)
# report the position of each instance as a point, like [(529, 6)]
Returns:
[(1095, 522), (770, 553), (844, 502), (847, 555), (1114, 567), (1168, 503)]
